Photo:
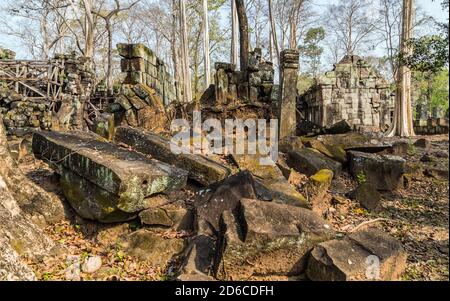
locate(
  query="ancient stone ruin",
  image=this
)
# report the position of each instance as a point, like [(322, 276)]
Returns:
[(44, 94), (208, 216), (352, 91)]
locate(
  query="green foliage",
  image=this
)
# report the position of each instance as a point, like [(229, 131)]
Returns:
[(311, 50), (361, 178), (439, 92), (430, 54), (431, 89)]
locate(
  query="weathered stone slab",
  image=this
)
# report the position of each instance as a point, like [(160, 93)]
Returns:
[(261, 238), (309, 161), (354, 141), (365, 255), (385, 172), (128, 175), (201, 168), (272, 178)]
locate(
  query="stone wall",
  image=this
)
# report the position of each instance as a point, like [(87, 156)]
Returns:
[(252, 86), (245, 93), (141, 66), (353, 91), (431, 126), (63, 109)]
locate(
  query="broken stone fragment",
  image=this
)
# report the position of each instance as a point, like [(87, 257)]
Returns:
[(335, 152), (129, 176), (317, 189), (309, 161), (365, 255), (225, 195), (368, 197), (385, 172), (168, 216), (261, 238), (353, 141), (199, 255), (341, 127), (272, 178), (152, 247), (423, 143), (202, 169), (290, 143)]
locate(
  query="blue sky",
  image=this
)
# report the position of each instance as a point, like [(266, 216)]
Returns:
[(433, 8)]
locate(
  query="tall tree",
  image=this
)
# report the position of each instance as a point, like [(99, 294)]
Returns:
[(234, 33), (243, 33), (187, 91), (206, 47), (311, 51), (273, 30), (352, 24), (107, 17), (403, 118)]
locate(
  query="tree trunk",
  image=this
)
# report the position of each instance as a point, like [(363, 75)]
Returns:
[(89, 29), (206, 47), (234, 34), (175, 55), (243, 33), (187, 96), (110, 58), (273, 30), (403, 118)]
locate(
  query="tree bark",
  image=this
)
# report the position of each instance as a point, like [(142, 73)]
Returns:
[(234, 34), (403, 119), (273, 30), (175, 53), (206, 47), (187, 96), (243, 33)]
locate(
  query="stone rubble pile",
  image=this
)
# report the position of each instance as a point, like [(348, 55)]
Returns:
[(21, 114), (251, 91)]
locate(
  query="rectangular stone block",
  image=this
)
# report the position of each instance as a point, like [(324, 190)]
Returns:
[(202, 169), (136, 64), (129, 175)]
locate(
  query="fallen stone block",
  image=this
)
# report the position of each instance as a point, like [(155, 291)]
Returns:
[(423, 143), (309, 161), (368, 197), (262, 239), (385, 172), (290, 143), (272, 178), (202, 169), (128, 176), (341, 127), (353, 141), (335, 152), (178, 218), (317, 189), (153, 247), (365, 255), (199, 255)]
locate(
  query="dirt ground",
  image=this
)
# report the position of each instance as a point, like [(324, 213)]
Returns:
[(417, 215)]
